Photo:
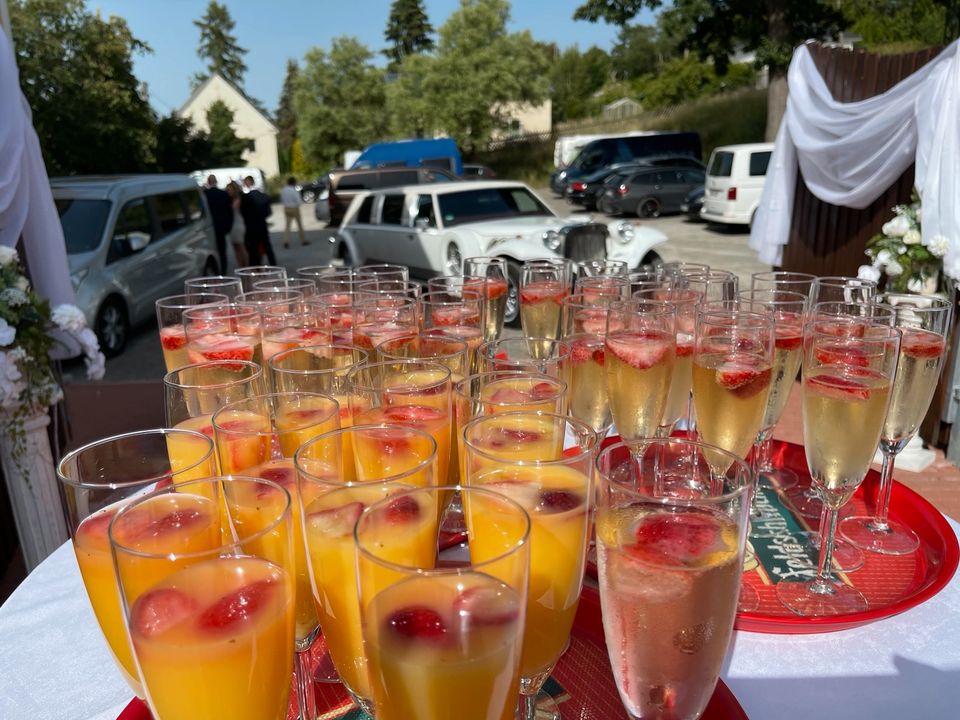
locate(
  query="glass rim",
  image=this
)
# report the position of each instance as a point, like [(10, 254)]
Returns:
[(398, 477), (246, 300), (287, 283), (689, 297), (711, 316), (166, 303), (423, 334), (285, 512), (217, 280), (306, 348), (736, 460), (255, 368), (843, 281), (252, 270), (466, 295), (235, 310), (306, 270), (268, 397), (354, 372), (632, 304), (821, 310), (937, 303), (788, 276), (810, 330), (484, 348), (524, 536), (589, 433), (749, 293), (170, 474), (462, 384)]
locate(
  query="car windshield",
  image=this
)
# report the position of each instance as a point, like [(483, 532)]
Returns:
[(82, 222), (488, 204)]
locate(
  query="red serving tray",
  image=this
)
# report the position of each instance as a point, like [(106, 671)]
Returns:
[(890, 584), (582, 682)]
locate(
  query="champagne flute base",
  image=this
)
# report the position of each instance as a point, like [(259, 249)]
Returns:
[(806, 502), (813, 599), (846, 557), (781, 479), (893, 539), (546, 709), (748, 600)]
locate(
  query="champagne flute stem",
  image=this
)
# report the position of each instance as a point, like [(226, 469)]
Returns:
[(880, 516), (762, 450), (306, 703), (823, 585), (528, 707)]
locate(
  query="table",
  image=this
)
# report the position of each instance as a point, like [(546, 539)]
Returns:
[(54, 663)]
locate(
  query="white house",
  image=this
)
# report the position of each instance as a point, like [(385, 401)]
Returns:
[(248, 122), (525, 119)]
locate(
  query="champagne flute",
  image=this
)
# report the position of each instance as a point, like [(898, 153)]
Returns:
[(714, 285), (780, 280), (173, 338), (223, 284), (253, 273), (526, 354), (545, 463), (840, 288), (925, 323), (846, 383), (206, 576), (491, 275), (303, 285), (543, 285), (100, 478), (384, 271)]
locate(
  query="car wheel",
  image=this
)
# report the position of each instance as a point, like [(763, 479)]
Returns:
[(453, 262), (346, 255), (308, 196), (211, 268), (651, 260), (511, 315), (648, 208), (112, 327), (604, 205)]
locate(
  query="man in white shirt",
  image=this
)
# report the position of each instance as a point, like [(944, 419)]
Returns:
[(291, 211)]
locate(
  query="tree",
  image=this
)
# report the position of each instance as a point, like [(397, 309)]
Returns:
[(480, 70), (408, 31), (76, 71), (218, 46), (574, 79), (901, 25), (180, 146), (717, 28), (339, 102), (226, 148), (410, 107), (636, 53), (286, 118)]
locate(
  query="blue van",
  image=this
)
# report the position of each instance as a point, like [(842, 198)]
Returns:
[(436, 153)]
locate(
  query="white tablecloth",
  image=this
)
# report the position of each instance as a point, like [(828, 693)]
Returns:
[(54, 663)]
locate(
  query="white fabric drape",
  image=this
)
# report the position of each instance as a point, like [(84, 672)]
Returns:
[(850, 153), (26, 205)]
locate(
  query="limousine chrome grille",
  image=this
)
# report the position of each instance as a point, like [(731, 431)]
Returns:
[(585, 242)]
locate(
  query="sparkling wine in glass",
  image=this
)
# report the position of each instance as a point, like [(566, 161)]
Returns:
[(490, 274), (543, 286), (925, 323), (173, 338), (846, 385)]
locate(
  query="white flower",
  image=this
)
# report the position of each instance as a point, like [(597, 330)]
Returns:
[(22, 284), (915, 285), (896, 227), (911, 237), (8, 255), (7, 333), (96, 366), (88, 339), (868, 272), (938, 246), (13, 297), (884, 257), (894, 268), (69, 317)]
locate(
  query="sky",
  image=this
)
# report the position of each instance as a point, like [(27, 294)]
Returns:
[(273, 31)]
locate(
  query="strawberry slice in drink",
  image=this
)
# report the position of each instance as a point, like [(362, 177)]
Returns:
[(641, 350), (238, 607), (684, 538), (839, 387), (543, 291), (507, 395), (743, 376), (417, 623), (173, 337), (336, 522), (158, 611), (841, 353), (224, 348), (922, 344), (484, 605)]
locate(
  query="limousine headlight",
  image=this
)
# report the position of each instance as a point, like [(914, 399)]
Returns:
[(625, 232), (551, 239)]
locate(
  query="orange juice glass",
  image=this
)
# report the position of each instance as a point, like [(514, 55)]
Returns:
[(543, 461), (222, 332), (443, 634), (98, 480)]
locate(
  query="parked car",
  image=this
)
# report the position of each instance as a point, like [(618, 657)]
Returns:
[(311, 190), (130, 240), (735, 177), (620, 150), (651, 192), (432, 228), (441, 153), (589, 190), (345, 184), (477, 172), (693, 203)]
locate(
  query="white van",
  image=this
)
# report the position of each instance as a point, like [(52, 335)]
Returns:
[(236, 174), (735, 177)]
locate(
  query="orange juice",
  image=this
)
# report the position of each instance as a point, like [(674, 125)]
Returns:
[(557, 500), (380, 455), (528, 394), (517, 437), (302, 420), (183, 449), (213, 640), (244, 439), (330, 519), (445, 644)]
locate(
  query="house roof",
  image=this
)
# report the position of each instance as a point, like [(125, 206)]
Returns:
[(246, 98)]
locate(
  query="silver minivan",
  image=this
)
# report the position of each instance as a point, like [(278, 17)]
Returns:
[(130, 240)]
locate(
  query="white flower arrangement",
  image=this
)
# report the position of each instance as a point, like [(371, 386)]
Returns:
[(899, 253), (28, 384)]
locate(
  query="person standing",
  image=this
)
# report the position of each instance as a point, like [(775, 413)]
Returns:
[(255, 209), (239, 229), (221, 213), (291, 211)]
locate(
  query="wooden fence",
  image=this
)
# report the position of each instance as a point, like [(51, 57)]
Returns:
[(827, 239)]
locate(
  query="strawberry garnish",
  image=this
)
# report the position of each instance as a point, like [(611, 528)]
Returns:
[(922, 344), (668, 538), (640, 350), (402, 510), (537, 292), (157, 611), (841, 354), (173, 337), (227, 349), (556, 501), (417, 623), (96, 525), (485, 606), (237, 607), (839, 388), (412, 414), (581, 351), (742, 377), (544, 390), (280, 474), (508, 395)]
